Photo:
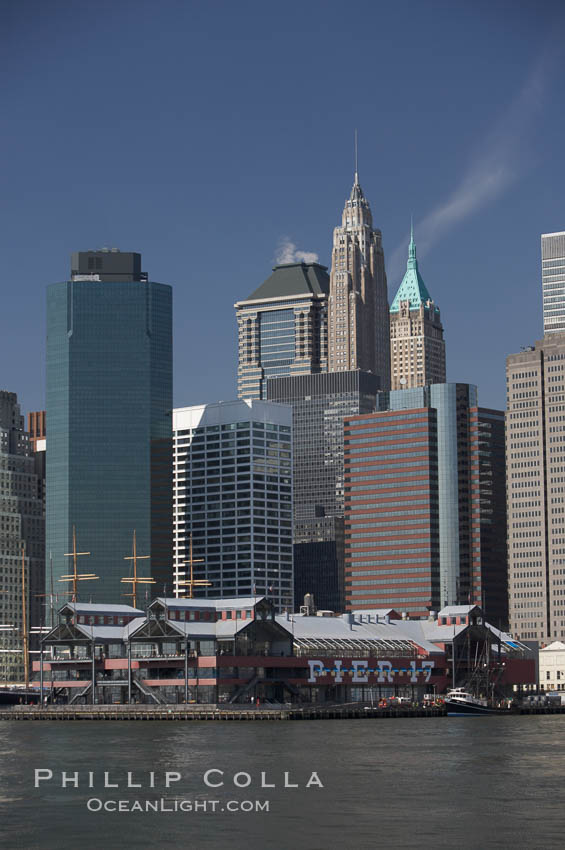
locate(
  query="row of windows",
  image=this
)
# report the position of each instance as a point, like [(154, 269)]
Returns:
[(391, 601), (382, 562), (381, 470), (373, 421), (369, 450), (423, 532), (394, 475), (365, 496), (386, 543), (355, 573), (408, 579), (385, 458), (389, 523), (355, 441)]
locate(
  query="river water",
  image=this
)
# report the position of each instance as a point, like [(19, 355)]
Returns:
[(486, 782)]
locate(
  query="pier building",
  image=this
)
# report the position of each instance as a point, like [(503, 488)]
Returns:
[(237, 650)]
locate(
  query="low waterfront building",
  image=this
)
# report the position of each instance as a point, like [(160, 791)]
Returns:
[(552, 667), (238, 649)]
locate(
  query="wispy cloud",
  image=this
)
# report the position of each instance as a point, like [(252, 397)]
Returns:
[(287, 252), (497, 163)]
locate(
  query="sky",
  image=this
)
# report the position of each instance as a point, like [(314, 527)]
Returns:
[(216, 138)]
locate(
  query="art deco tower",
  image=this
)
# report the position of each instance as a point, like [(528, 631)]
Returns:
[(417, 347), (359, 336)]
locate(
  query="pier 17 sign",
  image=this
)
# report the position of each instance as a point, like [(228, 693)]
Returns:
[(359, 671)]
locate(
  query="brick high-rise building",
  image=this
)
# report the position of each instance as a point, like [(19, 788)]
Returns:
[(417, 347), (535, 462), (359, 334), (424, 484)]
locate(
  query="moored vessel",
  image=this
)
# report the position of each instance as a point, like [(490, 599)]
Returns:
[(458, 701)]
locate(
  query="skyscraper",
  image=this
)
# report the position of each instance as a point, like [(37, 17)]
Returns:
[(233, 495), (553, 281), (22, 538), (535, 462), (282, 327), (319, 405), (417, 348), (36, 428), (424, 484), (359, 335), (109, 406)]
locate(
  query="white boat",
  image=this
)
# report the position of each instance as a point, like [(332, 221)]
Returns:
[(460, 701)]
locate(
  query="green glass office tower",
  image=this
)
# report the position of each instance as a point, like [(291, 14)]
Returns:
[(109, 408)]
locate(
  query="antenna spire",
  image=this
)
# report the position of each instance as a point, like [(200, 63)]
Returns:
[(356, 159), (412, 246)]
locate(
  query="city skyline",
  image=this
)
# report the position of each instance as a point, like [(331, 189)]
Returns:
[(285, 440), (480, 198)]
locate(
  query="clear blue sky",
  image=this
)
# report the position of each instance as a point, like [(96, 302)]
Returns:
[(203, 133)]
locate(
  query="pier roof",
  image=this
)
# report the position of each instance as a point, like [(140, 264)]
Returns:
[(101, 608), (212, 603), (348, 630)]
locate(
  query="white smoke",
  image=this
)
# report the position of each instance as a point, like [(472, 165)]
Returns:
[(288, 253), (502, 157)]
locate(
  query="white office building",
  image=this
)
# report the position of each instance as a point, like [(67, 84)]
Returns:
[(233, 496), (553, 281)]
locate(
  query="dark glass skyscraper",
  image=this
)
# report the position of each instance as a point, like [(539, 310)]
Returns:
[(319, 405), (109, 408)]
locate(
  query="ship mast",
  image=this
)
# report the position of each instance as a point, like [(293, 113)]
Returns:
[(75, 576), (192, 582), (136, 579), (25, 632)]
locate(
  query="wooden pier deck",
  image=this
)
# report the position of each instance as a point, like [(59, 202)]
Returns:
[(208, 712), (232, 713)]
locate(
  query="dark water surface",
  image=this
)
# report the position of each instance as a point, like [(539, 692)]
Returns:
[(488, 782)]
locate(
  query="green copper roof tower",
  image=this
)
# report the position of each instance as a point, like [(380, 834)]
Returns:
[(417, 347), (412, 288)]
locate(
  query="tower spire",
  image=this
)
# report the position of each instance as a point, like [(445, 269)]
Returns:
[(356, 160), (356, 191), (412, 262)]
